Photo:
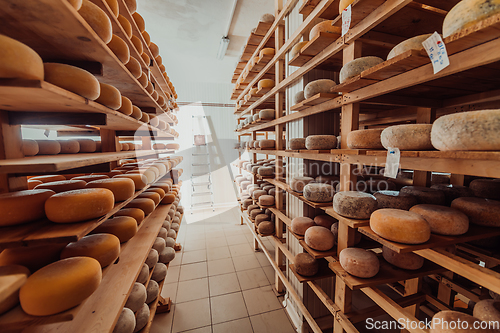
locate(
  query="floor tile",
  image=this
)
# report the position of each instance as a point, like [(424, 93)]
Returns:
[(206, 329), (191, 315), (221, 266), (170, 290), (272, 322), (236, 239), (216, 242), (260, 300), (177, 260), (223, 284), (172, 274), (192, 290), (252, 278), (270, 273), (243, 263), (195, 236), (194, 256), (194, 245), (240, 250), (218, 253), (193, 271), (241, 326), (162, 322), (262, 258), (228, 307)]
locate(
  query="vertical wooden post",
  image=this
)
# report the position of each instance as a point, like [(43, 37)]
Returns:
[(110, 144), (412, 287), (424, 116), (11, 147)]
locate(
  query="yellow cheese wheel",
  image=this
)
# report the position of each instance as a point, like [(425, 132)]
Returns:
[(365, 139), (137, 44), (72, 78), (266, 51), (143, 80), (113, 5), (18, 61), (62, 186), (60, 286), (136, 112), (414, 43), (149, 87), (79, 205), (120, 49), (33, 183), (158, 190), (164, 186), (154, 120), (343, 4), (134, 67), (140, 180), (467, 13), (123, 227), (12, 277), (49, 178), (136, 213), (145, 204), (97, 19), (155, 50), (480, 211), (23, 206), (147, 38), (30, 147), (109, 174), (296, 49), (139, 20), (131, 5), (105, 248), (69, 146), (109, 96), (154, 95), (144, 117), (174, 146), (150, 173), (407, 137), (122, 188), (356, 66), (151, 195), (400, 226), (265, 83), (127, 27), (168, 198), (443, 220), (77, 4), (326, 27), (146, 58), (48, 147), (126, 106)]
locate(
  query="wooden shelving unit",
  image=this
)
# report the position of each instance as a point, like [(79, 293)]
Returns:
[(398, 91)]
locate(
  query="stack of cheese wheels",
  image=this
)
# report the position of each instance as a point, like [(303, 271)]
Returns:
[(395, 199), (359, 262), (356, 205), (414, 43), (425, 195), (407, 260), (319, 192), (325, 27), (60, 286), (356, 66), (467, 13), (480, 211), (400, 226), (297, 183), (321, 142), (443, 220), (72, 78), (485, 188), (105, 248), (319, 238), (299, 225), (365, 139), (454, 321), (13, 206), (317, 87), (474, 130), (19, 61), (97, 19), (407, 137), (305, 264)]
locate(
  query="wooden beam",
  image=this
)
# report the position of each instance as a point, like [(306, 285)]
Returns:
[(57, 118)]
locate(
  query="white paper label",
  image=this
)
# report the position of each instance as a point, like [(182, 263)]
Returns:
[(436, 50), (346, 20), (392, 163)]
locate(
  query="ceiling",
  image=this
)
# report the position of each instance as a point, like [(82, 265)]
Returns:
[(188, 33)]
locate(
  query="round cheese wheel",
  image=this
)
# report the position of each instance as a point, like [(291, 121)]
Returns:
[(139, 20), (267, 18), (97, 19), (155, 50), (87, 145), (265, 171), (443, 220), (60, 286), (168, 198), (167, 254), (395, 199), (152, 258), (30, 147), (79, 205), (147, 60), (144, 118), (150, 174), (265, 84), (359, 262), (400, 226), (305, 264), (136, 113), (163, 232), (254, 212), (486, 188), (18, 61), (425, 195), (142, 317), (105, 248), (487, 310), (474, 130), (266, 200), (12, 277), (267, 114), (174, 146), (365, 139), (137, 44), (160, 272), (326, 27), (159, 191), (131, 5), (143, 274), (325, 221), (143, 80), (414, 43), (153, 290), (318, 86), (297, 144), (151, 195), (77, 4), (69, 146), (169, 241), (321, 142), (126, 106), (267, 144), (123, 227), (296, 49), (140, 180), (62, 185), (465, 14), (109, 96), (147, 38), (356, 66), (14, 205), (343, 4), (261, 218), (32, 257), (456, 322), (48, 147), (89, 178), (451, 192), (120, 49), (154, 120), (134, 67), (266, 228), (319, 238), (137, 297), (126, 322), (266, 51), (159, 244), (407, 137), (246, 203), (164, 186), (48, 178), (297, 184), (407, 260), (125, 24), (33, 183), (122, 188), (319, 192), (356, 205), (145, 204), (480, 211), (299, 225)]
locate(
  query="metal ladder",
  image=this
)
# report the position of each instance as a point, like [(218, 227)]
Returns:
[(201, 169)]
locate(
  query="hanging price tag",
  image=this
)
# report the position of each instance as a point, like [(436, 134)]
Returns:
[(346, 20), (392, 163), (436, 50)]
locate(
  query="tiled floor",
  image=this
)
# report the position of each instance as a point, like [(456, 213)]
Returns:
[(218, 283)]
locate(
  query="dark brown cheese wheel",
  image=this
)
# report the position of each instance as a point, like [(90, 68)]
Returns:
[(256, 212), (319, 238), (486, 188), (299, 225), (359, 262), (356, 205), (451, 192), (97, 19), (480, 211), (447, 322), (443, 220), (407, 260), (324, 221), (425, 195), (297, 144), (395, 199), (266, 228), (305, 264), (261, 218)]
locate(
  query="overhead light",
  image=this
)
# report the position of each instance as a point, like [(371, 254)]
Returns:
[(224, 43)]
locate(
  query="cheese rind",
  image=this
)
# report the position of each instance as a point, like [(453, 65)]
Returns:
[(299, 225), (443, 220), (319, 192), (62, 185), (356, 205), (127, 27), (131, 5), (318, 86), (105, 248), (145, 204), (140, 180), (359, 262), (97, 19), (296, 49), (319, 238), (321, 142), (365, 139), (407, 260), (123, 227), (487, 310), (407, 137), (109, 96), (486, 188), (425, 195), (139, 20), (119, 48), (327, 27), (480, 211), (14, 205), (69, 146), (134, 67), (137, 297), (30, 147), (395, 199), (298, 183), (414, 43), (297, 144), (356, 66), (74, 79), (467, 13), (400, 226), (48, 147), (126, 322), (305, 264), (19, 61)]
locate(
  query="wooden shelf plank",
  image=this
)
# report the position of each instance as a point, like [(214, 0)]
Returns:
[(323, 272), (402, 63), (312, 101), (350, 222), (360, 10)]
